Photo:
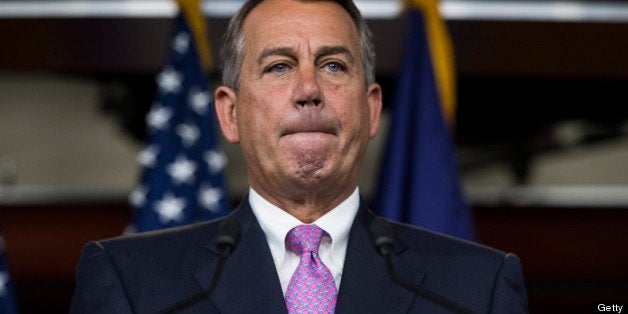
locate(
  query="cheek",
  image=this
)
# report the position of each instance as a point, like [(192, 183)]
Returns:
[(351, 109), (256, 120)]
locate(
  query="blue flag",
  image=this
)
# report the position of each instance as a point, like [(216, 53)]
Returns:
[(7, 295), (419, 181), (182, 180)]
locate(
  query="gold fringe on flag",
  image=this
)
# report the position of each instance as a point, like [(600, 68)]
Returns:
[(442, 55), (192, 11)]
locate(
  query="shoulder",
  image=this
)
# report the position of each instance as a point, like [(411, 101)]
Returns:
[(446, 257), (164, 249), (455, 266), (441, 245), (162, 241)]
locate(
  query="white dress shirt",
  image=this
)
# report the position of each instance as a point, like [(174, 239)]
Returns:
[(276, 223)]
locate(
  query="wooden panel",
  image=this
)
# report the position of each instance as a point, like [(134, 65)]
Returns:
[(89, 46), (572, 257), (531, 49), (43, 245), (583, 241), (487, 48)]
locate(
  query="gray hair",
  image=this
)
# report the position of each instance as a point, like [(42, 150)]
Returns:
[(232, 47)]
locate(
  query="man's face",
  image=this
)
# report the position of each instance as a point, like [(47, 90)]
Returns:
[(303, 113)]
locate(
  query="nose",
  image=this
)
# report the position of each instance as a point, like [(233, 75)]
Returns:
[(308, 91)]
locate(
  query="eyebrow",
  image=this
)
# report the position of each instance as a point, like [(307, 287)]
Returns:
[(321, 52), (335, 50), (276, 51)]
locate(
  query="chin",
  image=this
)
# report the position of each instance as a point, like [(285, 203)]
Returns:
[(310, 171), (308, 174)]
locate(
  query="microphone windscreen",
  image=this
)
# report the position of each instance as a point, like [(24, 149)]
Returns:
[(382, 235), (228, 235)]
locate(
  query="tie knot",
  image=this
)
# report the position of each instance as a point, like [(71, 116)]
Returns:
[(304, 238)]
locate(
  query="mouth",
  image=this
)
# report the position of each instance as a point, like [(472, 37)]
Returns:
[(310, 121), (305, 130)]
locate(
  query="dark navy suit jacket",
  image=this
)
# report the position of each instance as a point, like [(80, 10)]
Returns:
[(149, 272)]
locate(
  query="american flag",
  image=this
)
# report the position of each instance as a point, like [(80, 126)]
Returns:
[(182, 178), (7, 297)]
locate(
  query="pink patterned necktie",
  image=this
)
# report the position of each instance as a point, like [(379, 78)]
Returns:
[(312, 288)]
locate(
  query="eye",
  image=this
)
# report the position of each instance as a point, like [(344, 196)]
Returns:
[(278, 68), (333, 67)]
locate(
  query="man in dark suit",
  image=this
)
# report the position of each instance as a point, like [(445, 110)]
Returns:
[(300, 99)]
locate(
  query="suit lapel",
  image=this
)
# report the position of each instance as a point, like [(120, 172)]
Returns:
[(249, 282), (366, 286)]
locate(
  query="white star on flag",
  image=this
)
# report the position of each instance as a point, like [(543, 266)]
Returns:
[(158, 117), (169, 81), (199, 100), (181, 42), (210, 197), (130, 229), (216, 160), (4, 279), (188, 133), (138, 196), (182, 170), (148, 156), (170, 208)]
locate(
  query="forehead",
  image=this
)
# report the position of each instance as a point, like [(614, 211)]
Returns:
[(278, 22)]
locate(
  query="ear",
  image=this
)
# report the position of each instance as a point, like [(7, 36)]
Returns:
[(374, 100), (225, 99)]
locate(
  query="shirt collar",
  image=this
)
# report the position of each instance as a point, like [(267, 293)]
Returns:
[(276, 223)]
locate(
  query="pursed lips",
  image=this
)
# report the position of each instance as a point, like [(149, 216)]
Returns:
[(308, 129), (310, 120), (309, 125)]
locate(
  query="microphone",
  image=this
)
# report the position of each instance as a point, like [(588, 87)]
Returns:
[(227, 238), (383, 238)]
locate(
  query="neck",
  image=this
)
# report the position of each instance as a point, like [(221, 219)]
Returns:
[(307, 207)]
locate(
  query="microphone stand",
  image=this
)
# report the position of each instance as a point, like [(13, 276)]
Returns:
[(383, 239), (182, 305), (446, 303), (227, 238)]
